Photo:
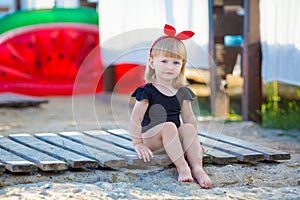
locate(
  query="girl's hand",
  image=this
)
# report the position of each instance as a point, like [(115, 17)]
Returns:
[(143, 152), (203, 149)]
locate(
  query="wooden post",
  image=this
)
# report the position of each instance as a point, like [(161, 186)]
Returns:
[(18, 4), (109, 78), (218, 97), (212, 68), (251, 63)]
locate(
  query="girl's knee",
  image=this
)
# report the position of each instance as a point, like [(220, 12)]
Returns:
[(187, 129), (170, 127)]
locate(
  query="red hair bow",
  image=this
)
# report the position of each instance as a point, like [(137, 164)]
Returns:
[(171, 31)]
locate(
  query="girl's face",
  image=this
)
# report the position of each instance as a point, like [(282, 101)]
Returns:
[(166, 68)]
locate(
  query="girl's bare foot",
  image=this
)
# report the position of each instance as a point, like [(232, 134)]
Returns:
[(201, 177), (184, 175)]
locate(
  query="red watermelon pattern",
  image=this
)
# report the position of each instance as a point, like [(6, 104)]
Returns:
[(44, 59)]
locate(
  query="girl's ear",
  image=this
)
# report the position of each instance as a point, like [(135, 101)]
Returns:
[(150, 62)]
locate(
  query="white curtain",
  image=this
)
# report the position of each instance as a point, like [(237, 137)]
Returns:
[(46, 4), (280, 39), (67, 3), (129, 27)]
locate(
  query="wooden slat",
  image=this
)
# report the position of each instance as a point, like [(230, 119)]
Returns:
[(218, 157), (227, 2), (213, 156), (227, 55), (120, 133), (4, 9), (269, 154), (241, 153), (234, 80), (104, 159), (200, 90), (197, 75), (160, 159), (74, 160), (43, 161), (15, 163)]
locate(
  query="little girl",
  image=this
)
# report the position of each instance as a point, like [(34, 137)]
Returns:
[(155, 123)]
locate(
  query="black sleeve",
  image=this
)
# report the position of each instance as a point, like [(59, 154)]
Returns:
[(188, 94), (142, 93)]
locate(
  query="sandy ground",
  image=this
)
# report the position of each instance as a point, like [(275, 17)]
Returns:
[(263, 180)]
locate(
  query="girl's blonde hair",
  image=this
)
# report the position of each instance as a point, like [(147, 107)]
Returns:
[(169, 47)]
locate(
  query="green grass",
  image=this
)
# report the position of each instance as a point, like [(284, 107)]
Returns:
[(286, 116), (201, 106), (233, 116), (278, 112)]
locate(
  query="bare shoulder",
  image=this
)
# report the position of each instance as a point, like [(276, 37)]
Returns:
[(186, 107), (142, 104), (186, 104)]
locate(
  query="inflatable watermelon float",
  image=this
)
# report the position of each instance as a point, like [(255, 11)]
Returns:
[(43, 50)]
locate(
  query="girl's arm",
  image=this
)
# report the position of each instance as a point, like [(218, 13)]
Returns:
[(136, 118), (187, 113), (137, 115)]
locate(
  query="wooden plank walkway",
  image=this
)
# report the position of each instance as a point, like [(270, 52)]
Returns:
[(72, 159), (112, 148), (76, 143), (242, 154), (41, 160), (269, 154)]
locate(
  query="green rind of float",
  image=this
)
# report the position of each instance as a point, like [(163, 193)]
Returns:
[(26, 18)]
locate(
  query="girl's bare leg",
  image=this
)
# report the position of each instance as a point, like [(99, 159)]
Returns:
[(193, 149), (166, 136)]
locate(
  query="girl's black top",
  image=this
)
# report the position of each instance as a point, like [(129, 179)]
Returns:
[(162, 108)]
